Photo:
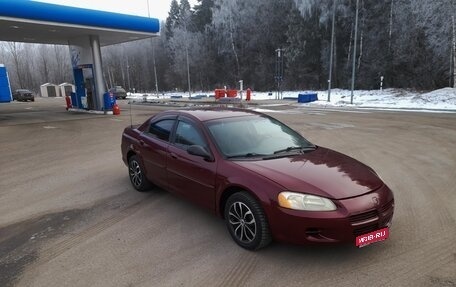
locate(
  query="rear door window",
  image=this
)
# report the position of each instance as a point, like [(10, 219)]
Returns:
[(162, 129)]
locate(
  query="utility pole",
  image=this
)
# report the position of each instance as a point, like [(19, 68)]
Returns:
[(279, 71), (454, 48), (354, 53), (128, 76), (188, 72), (148, 8), (155, 67), (186, 55), (332, 51)]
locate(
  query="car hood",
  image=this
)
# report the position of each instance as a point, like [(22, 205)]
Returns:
[(321, 172)]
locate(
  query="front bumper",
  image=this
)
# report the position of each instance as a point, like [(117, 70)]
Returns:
[(353, 217), (25, 98)]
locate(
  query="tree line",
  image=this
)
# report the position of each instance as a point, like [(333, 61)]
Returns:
[(217, 43)]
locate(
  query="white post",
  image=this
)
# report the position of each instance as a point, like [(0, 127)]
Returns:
[(381, 83)]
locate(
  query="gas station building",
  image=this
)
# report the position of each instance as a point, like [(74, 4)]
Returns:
[(85, 31)]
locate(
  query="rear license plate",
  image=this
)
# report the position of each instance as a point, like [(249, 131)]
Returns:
[(371, 237)]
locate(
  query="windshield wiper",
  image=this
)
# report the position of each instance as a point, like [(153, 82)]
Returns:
[(246, 155), (292, 148)]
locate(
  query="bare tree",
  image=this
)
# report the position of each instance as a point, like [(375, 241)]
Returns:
[(62, 64), (44, 61), (13, 49)]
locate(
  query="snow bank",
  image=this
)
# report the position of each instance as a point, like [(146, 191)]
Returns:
[(442, 99)]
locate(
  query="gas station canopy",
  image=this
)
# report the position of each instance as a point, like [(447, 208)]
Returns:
[(83, 30), (36, 22)]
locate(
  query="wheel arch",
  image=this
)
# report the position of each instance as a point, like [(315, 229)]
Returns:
[(130, 153), (230, 190)]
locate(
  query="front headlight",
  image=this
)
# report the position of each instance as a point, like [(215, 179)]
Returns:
[(300, 201)]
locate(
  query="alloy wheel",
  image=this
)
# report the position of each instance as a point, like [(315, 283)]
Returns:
[(242, 222), (135, 173)]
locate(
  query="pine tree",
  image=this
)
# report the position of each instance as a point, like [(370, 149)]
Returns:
[(185, 14), (304, 49), (171, 21), (202, 15)]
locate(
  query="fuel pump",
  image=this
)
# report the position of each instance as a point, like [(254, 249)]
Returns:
[(85, 87)]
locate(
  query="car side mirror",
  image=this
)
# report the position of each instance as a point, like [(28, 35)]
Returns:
[(198, 150)]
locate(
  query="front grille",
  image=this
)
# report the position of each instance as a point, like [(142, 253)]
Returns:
[(365, 229), (386, 207), (371, 220), (366, 216)]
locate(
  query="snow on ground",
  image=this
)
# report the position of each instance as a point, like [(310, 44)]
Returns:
[(438, 100)]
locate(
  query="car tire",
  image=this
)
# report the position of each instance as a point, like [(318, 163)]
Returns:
[(136, 173), (246, 221)]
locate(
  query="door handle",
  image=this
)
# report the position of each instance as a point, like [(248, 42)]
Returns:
[(173, 155), (141, 142)]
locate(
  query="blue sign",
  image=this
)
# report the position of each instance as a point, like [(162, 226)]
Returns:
[(5, 89)]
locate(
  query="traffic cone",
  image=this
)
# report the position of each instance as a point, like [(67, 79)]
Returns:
[(115, 109)]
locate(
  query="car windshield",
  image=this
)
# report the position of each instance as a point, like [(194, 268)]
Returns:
[(256, 136)]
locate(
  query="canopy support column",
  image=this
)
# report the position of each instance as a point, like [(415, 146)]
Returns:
[(98, 70)]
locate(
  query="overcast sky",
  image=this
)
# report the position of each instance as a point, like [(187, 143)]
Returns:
[(157, 8)]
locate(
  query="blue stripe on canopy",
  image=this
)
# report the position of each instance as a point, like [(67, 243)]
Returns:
[(25, 9)]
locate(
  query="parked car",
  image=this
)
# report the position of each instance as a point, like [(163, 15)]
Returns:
[(265, 179), (118, 92), (23, 95)]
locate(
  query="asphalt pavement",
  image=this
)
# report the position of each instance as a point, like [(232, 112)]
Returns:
[(69, 216)]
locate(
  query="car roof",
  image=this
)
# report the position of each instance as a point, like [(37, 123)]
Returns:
[(207, 114)]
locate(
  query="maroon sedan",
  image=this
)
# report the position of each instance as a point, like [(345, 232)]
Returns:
[(265, 179)]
